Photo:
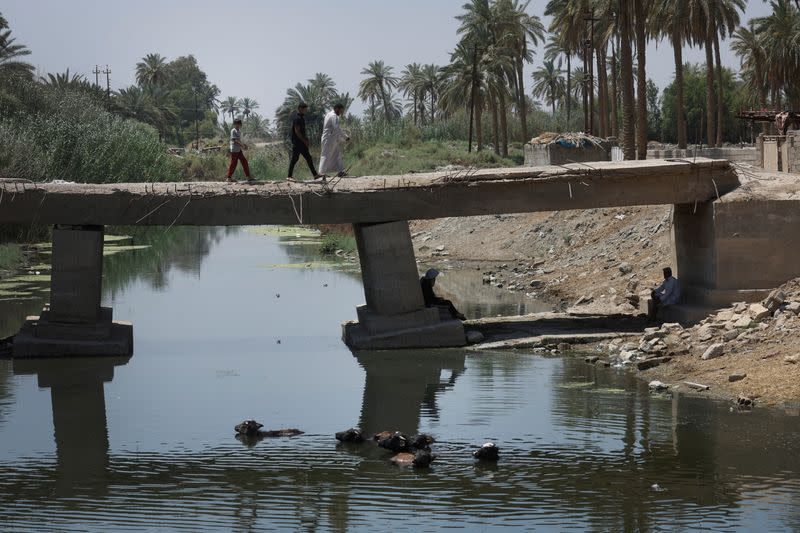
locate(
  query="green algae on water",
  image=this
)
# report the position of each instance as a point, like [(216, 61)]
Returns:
[(116, 238), (31, 278), (15, 295), (575, 385), (284, 231), (115, 249), (607, 390), (298, 242), (312, 265)]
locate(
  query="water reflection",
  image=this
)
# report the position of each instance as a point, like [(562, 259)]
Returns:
[(399, 385), (79, 418), (475, 299), (580, 446), (181, 248)]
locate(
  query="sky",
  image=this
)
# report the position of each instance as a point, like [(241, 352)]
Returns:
[(261, 48)]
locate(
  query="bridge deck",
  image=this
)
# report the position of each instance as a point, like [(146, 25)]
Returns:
[(371, 198)]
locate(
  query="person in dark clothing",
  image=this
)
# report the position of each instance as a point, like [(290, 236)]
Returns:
[(300, 142), (427, 282)]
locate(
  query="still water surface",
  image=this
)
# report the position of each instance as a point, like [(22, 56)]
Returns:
[(223, 334)]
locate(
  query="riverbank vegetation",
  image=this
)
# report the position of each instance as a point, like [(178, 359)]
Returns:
[(173, 123), (11, 257), (338, 242)]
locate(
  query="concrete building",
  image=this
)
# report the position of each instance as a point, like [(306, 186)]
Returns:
[(745, 155), (780, 152), (537, 155)]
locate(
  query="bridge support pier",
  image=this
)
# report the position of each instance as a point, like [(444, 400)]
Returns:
[(732, 251), (395, 315), (74, 323)]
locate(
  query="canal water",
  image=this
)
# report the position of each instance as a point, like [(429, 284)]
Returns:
[(237, 324)]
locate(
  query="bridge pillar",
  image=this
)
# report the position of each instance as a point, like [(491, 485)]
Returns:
[(732, 251), (74, 323), (395, 315)]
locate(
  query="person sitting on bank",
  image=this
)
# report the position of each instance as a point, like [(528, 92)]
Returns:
[(668, 293), (431, 300)]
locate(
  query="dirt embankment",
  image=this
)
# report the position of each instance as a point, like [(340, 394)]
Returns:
[(598, 261), (596, 258), (747, 351)]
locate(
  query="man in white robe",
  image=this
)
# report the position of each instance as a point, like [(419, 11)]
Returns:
[(333, 139)]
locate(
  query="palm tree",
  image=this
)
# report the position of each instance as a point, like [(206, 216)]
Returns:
[(320, 94), (324, 87), (257, 126), (670, 20), (640, 30), (411, 85), (726, 17), (548, 84), (746, 44), (10, 54), (247, 105), (151, 70), (65, 81), (602, 38), (518, 29), (209, 96), (343, 98), (553, 52), (431, 78), (165, 110), (135, 102), (498, 64), (461, 83), (626, 80), (570, 32), (230, 106), (477, 22), (779, 35), (378, 85), (709, 18)]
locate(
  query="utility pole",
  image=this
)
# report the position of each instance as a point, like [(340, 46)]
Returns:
[(107, 72), (96, 73), (472, 97)]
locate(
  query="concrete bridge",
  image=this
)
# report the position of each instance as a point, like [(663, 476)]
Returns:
[(394, 315)]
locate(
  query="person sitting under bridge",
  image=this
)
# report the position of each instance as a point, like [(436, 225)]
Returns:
[(431, 300), (668, 293)]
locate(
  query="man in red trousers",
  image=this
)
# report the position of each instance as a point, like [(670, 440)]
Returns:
[(237, 154)]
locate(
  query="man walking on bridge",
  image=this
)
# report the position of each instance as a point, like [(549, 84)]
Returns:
[(300, 142), (237, 154), (333, 137)]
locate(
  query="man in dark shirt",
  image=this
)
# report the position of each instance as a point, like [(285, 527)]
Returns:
[(300, 142), (431, 300)]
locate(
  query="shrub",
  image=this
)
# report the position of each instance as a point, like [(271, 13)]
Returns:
[(75, 140), (11, 256), (332, 242)]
